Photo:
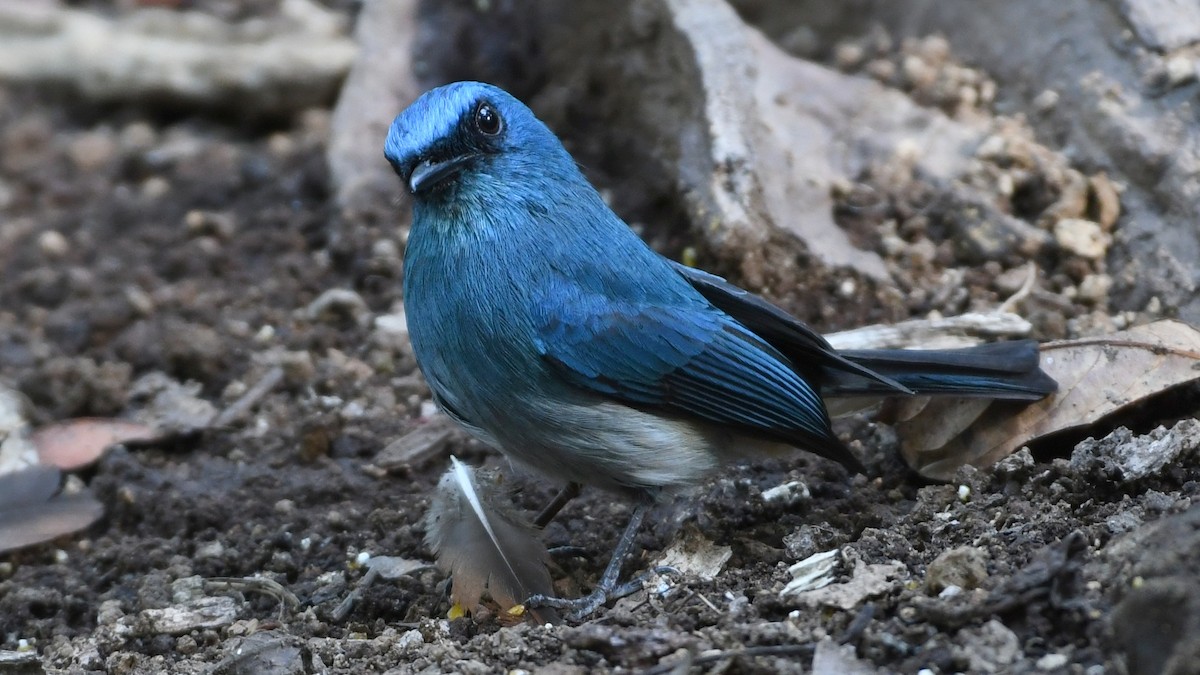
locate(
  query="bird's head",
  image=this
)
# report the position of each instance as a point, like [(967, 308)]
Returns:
[(463, 135)]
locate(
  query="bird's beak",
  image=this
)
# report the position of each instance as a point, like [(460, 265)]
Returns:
[(427, 174)]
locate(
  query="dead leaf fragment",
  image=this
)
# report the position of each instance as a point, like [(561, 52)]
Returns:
[(74, 444), (1096, 377), (394, 567), (420, 445), (30, 513), (694, 555)]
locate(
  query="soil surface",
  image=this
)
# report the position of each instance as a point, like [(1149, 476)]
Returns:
[(197, 248)]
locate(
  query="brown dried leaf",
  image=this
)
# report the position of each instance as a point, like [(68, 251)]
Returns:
[(76, 443), (1096, 377), (31, 514), (420, 445)]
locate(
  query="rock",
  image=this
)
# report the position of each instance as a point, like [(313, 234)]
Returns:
[(990, 648), (1094, 288), (92, 151), (52, 244), (964, 567), (1082, 237), (831, 658), (209, 223), (337, 304), (199, 614), (1137, 457), (867, 581), (789, 494)]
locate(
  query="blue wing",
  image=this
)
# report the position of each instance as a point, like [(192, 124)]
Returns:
[(690, 360)]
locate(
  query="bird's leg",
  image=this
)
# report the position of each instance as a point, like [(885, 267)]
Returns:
[(570, 491), (581, 607)]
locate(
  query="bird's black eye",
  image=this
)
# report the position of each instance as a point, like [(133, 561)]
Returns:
[(487, 120)]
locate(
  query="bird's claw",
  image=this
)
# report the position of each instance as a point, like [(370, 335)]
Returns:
[(580, 608), (577, 609)]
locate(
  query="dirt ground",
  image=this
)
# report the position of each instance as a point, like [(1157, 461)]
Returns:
[(195, 247)]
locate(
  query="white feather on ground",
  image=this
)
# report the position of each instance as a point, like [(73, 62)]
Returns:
[(484, 544)]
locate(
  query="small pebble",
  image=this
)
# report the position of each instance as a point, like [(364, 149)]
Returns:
[(337, 303), (964, 566), (848, 55), (1084, 238), (1046, 101), (53, 244), (1180, 70), (1052, 662), (1094, 287), (155, 187), (91, 151), (209, 223)]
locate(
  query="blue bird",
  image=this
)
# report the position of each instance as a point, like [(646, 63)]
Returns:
[(547, 328)]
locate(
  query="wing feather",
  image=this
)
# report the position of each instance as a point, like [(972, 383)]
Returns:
[(692, 360)]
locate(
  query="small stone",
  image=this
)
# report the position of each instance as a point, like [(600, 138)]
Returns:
[(1010, 281), (298, 367), (53, 244), (950, 592), (1105, 200), (201, 613), (881, 69), (1046, 101), (386, 249), (337, 303), (1094, 288), (1052, 662), (989, 648), (1137, 457), (137, 137), (934, 49), (1081, 237), (965, 567), (1180, 69), (918, 72), (92, 151), (410, 640), (186, 644), (139, 300), (1019, 462), (848, 55), (209, 223), (281, 146), (155, 187), (213, 549), (789, 494)]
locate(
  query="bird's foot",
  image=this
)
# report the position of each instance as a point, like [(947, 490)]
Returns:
[(578, 609)]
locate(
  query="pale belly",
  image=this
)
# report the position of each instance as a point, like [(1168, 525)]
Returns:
[(613, 446)]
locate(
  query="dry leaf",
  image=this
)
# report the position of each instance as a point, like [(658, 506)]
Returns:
[(1096, 377), (485, 545), (419, 445), (76, 443), (30, 513)]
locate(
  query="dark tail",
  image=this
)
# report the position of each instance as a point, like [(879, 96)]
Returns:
[(1001, 370)]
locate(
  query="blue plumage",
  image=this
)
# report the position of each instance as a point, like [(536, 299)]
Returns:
[(548, 328)]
